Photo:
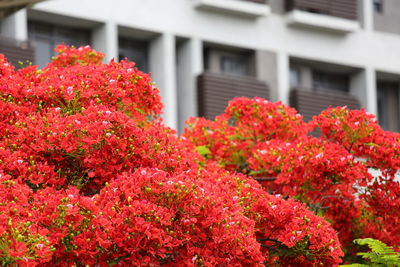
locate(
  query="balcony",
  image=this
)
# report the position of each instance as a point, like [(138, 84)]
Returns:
[(311, 102), (7, 7), (215, 90), (338, 16), (16, 51), (251, 9)]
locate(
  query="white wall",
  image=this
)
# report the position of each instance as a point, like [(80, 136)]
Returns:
[(365, 49)]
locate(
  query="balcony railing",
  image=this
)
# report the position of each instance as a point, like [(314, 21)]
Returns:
[(346, 9), (215, 90), (311, 102), (16, 51)]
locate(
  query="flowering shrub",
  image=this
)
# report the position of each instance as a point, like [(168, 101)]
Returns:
[(89, 175), (347, 174)]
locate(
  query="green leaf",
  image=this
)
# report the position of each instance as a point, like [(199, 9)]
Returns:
[(203, 150), (380, 254)]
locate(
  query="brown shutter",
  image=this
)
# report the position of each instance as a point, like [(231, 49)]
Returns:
[(215, 90), (311, 103), (16, 51), (339, 8), (258, 1)]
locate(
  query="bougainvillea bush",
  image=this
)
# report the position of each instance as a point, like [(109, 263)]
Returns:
[(89, 175), (341, 164)]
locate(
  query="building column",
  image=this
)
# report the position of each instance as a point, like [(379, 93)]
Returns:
[(283, 77), (266, 71), (16, 26), (368, 15), (105, 40), (371, 91), (363, 86), (189, 66), (163, 73)]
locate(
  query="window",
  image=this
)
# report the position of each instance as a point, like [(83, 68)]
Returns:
[(378, 6), (136, 51), (229, 61), (388, 105), (294, 77), (45, 37), (234, 64), (330, 81)]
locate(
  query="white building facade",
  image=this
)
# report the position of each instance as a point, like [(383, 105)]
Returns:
[(306, 53)]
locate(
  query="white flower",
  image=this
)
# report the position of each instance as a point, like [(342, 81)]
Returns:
[(194, 259), (319, 156), (70, 90)]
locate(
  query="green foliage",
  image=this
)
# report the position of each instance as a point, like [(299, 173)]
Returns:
[(203, 150), (380, 254)]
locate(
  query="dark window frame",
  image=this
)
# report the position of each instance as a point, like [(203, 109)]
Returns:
[(329, 81), (54, 34), (134, 50), (378, 6), (225, 57)]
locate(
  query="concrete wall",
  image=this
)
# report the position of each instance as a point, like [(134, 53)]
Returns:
[(266, 62), (389, 19)]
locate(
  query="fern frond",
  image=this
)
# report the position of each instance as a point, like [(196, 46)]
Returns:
[(380, 254)]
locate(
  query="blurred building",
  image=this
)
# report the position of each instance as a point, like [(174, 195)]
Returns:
[(201, 53)]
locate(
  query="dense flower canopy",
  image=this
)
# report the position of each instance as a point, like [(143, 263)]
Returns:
[(347, 174), (89, 175)]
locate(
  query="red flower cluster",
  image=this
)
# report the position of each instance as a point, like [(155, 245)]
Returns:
[(334, 174), (89, 175)]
